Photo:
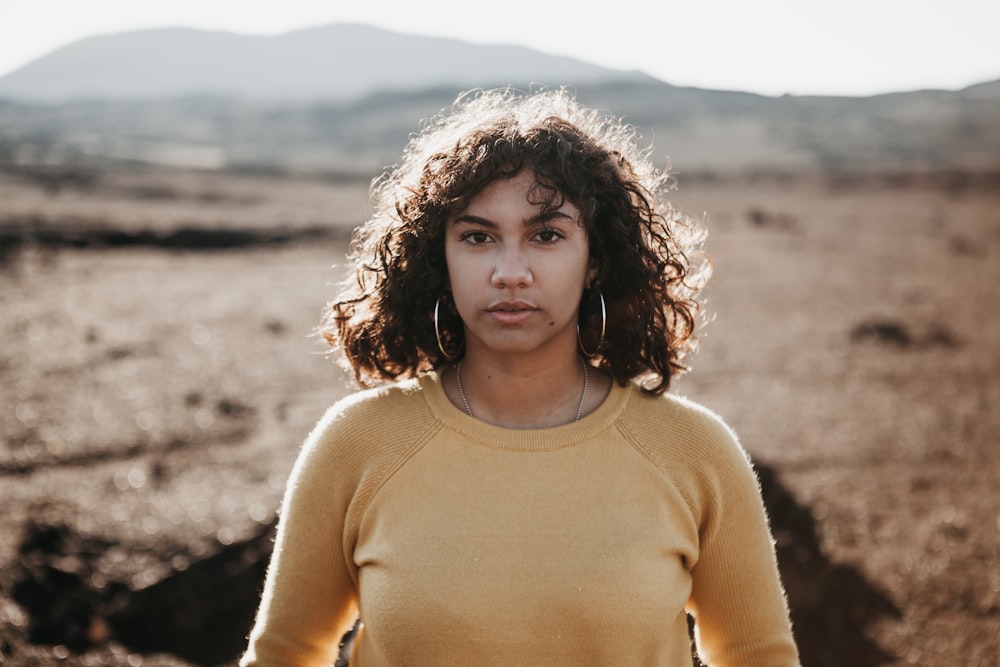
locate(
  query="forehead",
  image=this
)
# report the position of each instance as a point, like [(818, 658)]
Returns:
[(523, 189)]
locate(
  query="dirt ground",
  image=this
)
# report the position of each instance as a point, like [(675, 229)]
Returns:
[(155, 386)]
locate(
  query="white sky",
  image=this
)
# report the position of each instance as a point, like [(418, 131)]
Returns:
[(838, 47)]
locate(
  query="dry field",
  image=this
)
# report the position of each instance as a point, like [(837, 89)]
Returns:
[(157, 375)]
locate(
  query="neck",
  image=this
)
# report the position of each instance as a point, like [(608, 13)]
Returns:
[(522, 393)]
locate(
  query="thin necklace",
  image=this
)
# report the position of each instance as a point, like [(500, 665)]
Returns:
[(468, 408)]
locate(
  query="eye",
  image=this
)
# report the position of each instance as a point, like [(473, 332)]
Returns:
[(475, 237), (548, 235)]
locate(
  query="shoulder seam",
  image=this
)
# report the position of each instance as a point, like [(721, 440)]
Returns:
[(368, 491), (633, 440)]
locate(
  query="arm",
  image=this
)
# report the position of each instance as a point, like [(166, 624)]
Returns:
[(737, 598), (309, 598)]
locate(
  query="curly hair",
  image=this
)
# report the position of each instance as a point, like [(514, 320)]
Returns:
[(650, 266)]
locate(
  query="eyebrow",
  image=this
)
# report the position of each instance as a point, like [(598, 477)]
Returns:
[(538, 219)]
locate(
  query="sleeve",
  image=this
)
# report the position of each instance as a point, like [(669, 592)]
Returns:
[(737, 600), (309, 599)]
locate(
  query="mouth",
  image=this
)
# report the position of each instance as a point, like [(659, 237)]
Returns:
[(510, 307), (511, 312)]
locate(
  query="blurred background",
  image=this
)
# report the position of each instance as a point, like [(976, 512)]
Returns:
[(178, 186)]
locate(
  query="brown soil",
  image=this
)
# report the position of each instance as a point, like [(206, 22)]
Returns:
[(157, 377)]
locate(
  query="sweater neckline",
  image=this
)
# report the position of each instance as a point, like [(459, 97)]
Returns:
[(529, 439)]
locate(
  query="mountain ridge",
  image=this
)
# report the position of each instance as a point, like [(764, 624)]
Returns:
[(335, 62)]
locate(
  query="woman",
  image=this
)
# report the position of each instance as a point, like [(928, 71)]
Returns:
[(521, 490)]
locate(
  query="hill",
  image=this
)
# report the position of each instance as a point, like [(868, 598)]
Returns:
[(333, 62), (694, 130), (344, 98)]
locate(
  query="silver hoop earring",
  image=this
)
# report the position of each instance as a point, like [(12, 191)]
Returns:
[(437, 334), (604, 323)]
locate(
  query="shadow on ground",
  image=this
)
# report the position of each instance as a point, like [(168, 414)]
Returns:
[(201, 610)]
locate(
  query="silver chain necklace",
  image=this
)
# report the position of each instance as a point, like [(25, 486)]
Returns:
[(468, 408)]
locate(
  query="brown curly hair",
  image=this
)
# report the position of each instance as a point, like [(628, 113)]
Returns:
[(649, 259)]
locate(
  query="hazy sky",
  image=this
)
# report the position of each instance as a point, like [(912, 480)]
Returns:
[(840, 47)]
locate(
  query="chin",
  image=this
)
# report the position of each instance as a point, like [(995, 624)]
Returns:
[(521, 345)]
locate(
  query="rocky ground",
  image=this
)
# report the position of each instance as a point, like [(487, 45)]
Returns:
[(157, 375)]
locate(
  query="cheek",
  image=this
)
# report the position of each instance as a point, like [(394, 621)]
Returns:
[(458, 269), (453, 269), (568, 277), (463, 286)]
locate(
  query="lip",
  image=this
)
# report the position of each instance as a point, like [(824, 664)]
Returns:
[(511, 312)]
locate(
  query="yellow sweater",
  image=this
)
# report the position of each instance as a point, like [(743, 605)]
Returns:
[(462, 543)]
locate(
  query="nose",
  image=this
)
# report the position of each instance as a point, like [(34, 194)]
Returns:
[(512, 268)]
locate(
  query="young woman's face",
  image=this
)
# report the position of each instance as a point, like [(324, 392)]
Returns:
[(517, 272)]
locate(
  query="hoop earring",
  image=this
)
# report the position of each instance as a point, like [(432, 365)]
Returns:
[(604, 323), (437, 334)]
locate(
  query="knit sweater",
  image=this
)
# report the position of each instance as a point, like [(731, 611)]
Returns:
[(462, 543)]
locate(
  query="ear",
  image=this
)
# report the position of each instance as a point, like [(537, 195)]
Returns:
[(591, 275)]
